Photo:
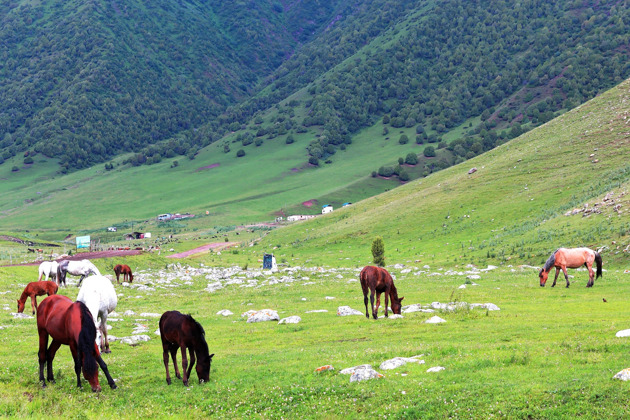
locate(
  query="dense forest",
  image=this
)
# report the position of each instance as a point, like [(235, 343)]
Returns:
[(85, 83)]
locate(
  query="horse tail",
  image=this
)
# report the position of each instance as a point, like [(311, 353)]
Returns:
[(598, 262), (87, 341)]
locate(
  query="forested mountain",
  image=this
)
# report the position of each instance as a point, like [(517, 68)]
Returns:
[(87, 80)]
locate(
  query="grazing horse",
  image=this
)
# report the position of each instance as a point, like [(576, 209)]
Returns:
[(76, 268), (125, 270), (99, 296), (179, 331), (571, 258), (34, 289), (47, 269), (377, 280), (71, 324)]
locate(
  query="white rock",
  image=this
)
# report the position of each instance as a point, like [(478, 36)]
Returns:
[(623, 333), (129, 313), (213, 287), (157, 332), (436, 369), (225, 312), (624, 375), (351, 370), (434, 320), (150, 315), (473, 277), (364, 374), (463, 286), (21, 315), (392, 316), (491, 307), (135, 339), (346, 310), (264, 315), (399, 361), (290, 320), (329, 298)]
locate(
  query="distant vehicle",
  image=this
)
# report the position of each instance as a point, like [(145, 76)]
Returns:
[(165, 216), (112, 229)]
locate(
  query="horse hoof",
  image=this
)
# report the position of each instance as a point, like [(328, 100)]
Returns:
[(113, 386), (168, 382), (107, 351)]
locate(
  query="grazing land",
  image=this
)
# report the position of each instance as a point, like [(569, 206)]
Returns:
[(546, 353)]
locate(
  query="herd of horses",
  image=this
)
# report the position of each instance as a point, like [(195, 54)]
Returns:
[(77, 325)]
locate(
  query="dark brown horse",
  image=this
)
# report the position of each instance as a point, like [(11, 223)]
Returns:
[(36, 288), (125, 270), (179, 331), (571, 258), (377, 280), (71, 324)]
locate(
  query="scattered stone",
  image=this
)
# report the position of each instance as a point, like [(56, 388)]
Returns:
[(351, 370), (434, 320), (150, 315), (435, 369), (392, 316), (416, 307), (157, 332), (329, 298), (364, 375), (129, 313), (290, 320), (623, 333), (263, 315), (134, 340), (21, 315), (225, 312), (624, 375), (398, 361), (213, 287), (473, 277), (324, 368), (346, 310)]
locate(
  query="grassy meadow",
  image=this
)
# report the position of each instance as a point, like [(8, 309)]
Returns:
[(547, 352)]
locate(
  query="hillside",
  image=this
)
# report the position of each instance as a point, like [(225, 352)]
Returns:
[(510, 211), (86, 81)]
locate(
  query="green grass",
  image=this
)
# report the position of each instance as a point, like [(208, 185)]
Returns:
[(546, 353)]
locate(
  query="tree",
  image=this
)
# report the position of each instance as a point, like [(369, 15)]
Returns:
[(378, 251), (404, 176), (403, 139), (411, 159), (240, 153), (429, 151)]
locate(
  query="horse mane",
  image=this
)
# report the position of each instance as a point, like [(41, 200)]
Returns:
[(551, 261), (87, 338), (202, 344)]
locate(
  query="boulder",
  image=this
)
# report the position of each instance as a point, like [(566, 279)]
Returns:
[(264, 315), (134, 340), (623, 333), (397, 362), (290, 320), (346, 310), (213, 287), (624, 375), (351, 370), (364, 374), (225, 312), (434, 320)]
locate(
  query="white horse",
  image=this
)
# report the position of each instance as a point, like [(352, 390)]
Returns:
[(99, 296), (48, 269), (76, 268)]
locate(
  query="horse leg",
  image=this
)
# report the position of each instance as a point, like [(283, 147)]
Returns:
[(165, 356), (192, 362), (173, 349), (43, 344), (555, 278), (77, 356), (372, 302), (365, 300), (34, 303), (184, 364), (378, 304), (50, 356), (386, 302), (566, 275), (591, 275), (103, 367), (80, 280)]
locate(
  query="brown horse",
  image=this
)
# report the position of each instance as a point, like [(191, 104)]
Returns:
[(36, 288), (71, 324), (378, 280), (571, 258), (179, 331), (125, 270)]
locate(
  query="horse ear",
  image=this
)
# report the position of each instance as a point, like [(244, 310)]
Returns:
[(211, 355), (400, 300)]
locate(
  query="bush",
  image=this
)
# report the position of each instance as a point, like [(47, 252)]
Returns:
[(240, 153), (385, 171), (404, 176), (429, 151), (313, 161), (411, 159), (378, 251), (403, 139)]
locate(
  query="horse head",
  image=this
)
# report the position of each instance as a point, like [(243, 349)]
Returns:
[(396, 305), (203, 368), (21, 306), (543, 277)]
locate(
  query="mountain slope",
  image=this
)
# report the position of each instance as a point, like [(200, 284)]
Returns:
[(85, 81), (510, 211)]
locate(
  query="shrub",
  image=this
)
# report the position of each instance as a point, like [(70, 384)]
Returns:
[(378, 251), (240, 153), (403, 139), (411, 159), (429, 151)]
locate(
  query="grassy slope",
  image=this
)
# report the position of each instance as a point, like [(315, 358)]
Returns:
[(511, 208)]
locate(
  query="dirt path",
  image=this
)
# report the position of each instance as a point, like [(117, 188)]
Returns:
[(214, 246)]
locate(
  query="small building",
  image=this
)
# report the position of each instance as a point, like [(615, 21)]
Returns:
[(269, 263), (346, 204), (327, 209), (296, 217), (112, 229)]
